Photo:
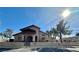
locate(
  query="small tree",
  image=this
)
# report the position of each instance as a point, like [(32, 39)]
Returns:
[(49, 33), (54, 32), (63, 29), (1, 35), (8, 33)]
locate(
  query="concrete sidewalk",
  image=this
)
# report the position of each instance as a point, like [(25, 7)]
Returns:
[(73, 49), (20, 50)]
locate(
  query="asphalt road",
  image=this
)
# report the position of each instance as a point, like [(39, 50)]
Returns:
[(51, 50), (5, 49)]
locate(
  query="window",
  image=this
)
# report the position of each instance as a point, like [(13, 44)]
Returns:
[(19, 37), (64, 40), (43, 38), (43, 34)]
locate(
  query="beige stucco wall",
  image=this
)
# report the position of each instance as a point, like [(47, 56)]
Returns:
[(37, 32), (18, 37), (43, 35), (26, 35), (39, 35)]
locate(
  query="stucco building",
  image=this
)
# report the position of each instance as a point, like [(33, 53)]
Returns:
[(3, 38), (31, 33)]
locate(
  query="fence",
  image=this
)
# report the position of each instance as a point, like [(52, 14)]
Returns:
[(11, 44), (38, 44), (56, 45)]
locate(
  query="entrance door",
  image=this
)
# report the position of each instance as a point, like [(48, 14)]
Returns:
[(29, 39), (35, 38)]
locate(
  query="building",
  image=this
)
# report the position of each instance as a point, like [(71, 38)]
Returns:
[(3, 38), (71, 39), (31, 33)]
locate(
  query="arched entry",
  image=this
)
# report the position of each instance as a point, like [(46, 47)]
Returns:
[(29, 39)]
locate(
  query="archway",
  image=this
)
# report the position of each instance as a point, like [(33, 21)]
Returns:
[(29, 39)]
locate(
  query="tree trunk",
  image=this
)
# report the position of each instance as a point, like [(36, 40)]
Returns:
[(55, 37), (60, 37)]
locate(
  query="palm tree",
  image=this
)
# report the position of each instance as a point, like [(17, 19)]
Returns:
[(63, 29), (49, 33), (54, 32)]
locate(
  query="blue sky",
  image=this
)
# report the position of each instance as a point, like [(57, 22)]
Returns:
[(45, 18)]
